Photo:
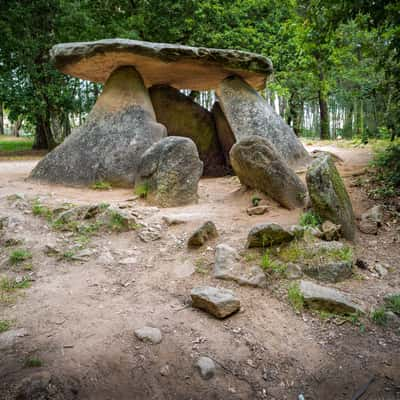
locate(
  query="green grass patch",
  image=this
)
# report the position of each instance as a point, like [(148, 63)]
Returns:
[(271, 266), (101, 185), (39, 209), (142, 190), (19, 255), (310, 219), (13, 144), (255, 200), (4, 325), (33, 362), (295, 297), (392, 303), (379, 316)]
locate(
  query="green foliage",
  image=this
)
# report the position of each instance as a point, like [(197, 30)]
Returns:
[(379, 316), (101, 185), (387, 164), (4, 325), (393, 303), (142, 190), (19, 255), (295, 297), (33, 362), (309, 218), (117, 221)]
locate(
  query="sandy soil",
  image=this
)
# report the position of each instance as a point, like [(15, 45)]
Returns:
[(79, 317)]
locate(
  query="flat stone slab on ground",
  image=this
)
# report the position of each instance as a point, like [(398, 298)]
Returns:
[(218, 302), (326, 298)]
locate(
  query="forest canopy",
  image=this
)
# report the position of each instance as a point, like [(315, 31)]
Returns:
[(336, 62)]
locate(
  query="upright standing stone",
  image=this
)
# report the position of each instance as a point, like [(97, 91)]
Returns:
[(249, 114), (119, 129), (329, 197), (184, 117)]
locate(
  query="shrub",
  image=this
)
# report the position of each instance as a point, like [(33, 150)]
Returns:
[(4, 325), (379, 316), (19, 255), (33, 362), (142, 190), (296, 299), (101, 185), (393, 303)]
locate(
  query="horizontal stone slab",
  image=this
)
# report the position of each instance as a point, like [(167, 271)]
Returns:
[(182, 67)]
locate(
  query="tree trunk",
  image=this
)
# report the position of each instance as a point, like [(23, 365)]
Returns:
[(16, 127), (324, 116), (348, 122), (1, 119), (43, 135)]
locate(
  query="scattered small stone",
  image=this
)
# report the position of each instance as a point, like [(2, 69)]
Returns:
[(218, 302), (257, 210), (371, 220), (326, 298), (173, 221), (206, 367), (128, 261), (330, 231), (150, 233), (164, 370), (293, 271), (265, 235), (149, 334), (314, 232), (206, 231), (381, 270)]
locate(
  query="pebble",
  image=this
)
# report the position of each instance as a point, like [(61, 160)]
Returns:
[(206, 367)]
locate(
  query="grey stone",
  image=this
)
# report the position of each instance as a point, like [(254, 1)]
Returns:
[(224, 132), (293, 271), (326, 298), (265, 235), (258, 165), (184, 117), (205, 232), (108, 147), (371, 220), (330, 231), (257, 210), (329, 196), (381, 270), (10, 337), (227, 266), (149, 335), (206, 367), (182, 67), (249, 114), (218, 302), (330, 271), (170, 171)]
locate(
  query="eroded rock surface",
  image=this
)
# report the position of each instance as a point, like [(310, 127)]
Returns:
[(108, 147), (170, 171), (258, 165), (265, 235), (205, 232), (329, 196), (371, 220), (249, 114)]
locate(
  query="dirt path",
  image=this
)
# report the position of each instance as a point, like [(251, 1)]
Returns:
[(78, 317)]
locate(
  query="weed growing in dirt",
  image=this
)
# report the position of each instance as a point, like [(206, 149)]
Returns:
[(101, 185), (310, 219), (142, 190), (39, 209), (295, 297), (33, 362), (19, 255), (68, 255), (4, 325), (255, 200), (250, 257), (393, 303), (9, 285), (270, 266), (117, 221), (379, 316)]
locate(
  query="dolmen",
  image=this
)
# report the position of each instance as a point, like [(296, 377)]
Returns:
[(142, 103)]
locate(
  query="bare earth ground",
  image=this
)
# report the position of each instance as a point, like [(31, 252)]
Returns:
[(78, 317)]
